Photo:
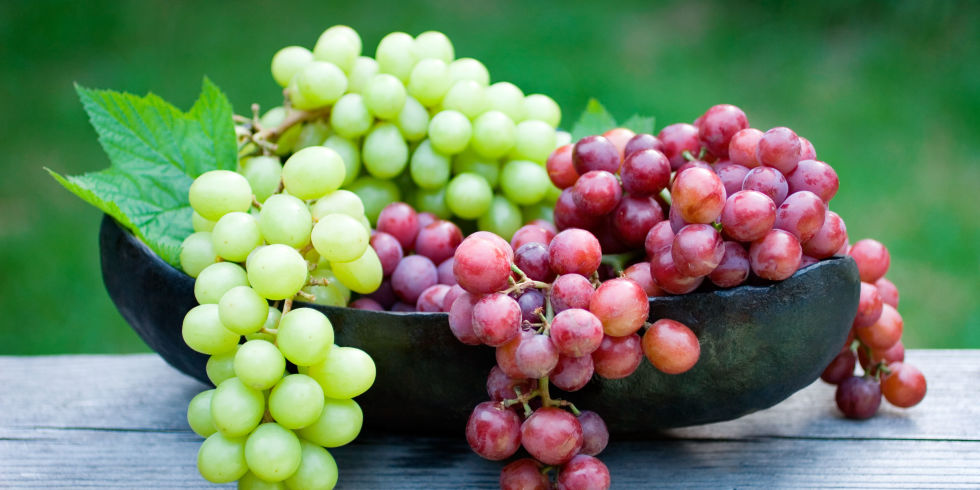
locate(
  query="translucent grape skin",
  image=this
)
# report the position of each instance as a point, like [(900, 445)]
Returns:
[(814, 176), (532, 306), (561, 169), (872, 259), (748, 216), (576, 332), (697, 250), (572, 373), (506, 354), (768, 181), (718, 125), (676, 139), (802, 214), (400, 221), (659, 238), (597, 192), (413, 275), (221, 459), (568, 215), (454, 292), (496, 319), (858, 397), (575, 251), (775, 256), (904, 386), (671, 346), (595, 153), (734, 267), (893, 354), (571, 291), (841, 368), (831, 236), (869, 306), (523, 474), (445, 272), (779, 148), (481, 266), (621, 305), (698, 195), (645, 172), (807, 151), (742, 147), (493, 432), (438, 240), (273, 453), (552, 435), (584, 471), (595, 434), (619, 137)]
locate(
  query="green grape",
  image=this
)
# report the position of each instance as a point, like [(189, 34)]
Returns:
[(541, 210), (429, 81), (429, 168), (203, 332), (494, 134), (339, 201), (507, 98), (348, 153), (312, 134), (551, 195), (542, 108), (332, 294), (339, 238), (524, 182), (264, 174), (242, 310), (271, 322), (287, 61), (470, 161), (385, 152), (312, 172), (467, 97), (503, 218), (375, 194), (236, 409), (200, 223), (259, 365), (199, 414), (469, 69), (345, 373), (413, 120), (221, 366), (197, 253), (365, 68), (434, 44), (534, 141), (216, 279), (252, 482), (468, 196), (277, 272), (317, 469), (450, 132), (273, 452), (396, 55), (218, 192), (285, 219), (221, 459), (339, 423), (432, 201), (339, 45), (296, 401), (235, 235), (562, 138), (318, 84), (350, 118), (305, 336), (384, 96), (362, 275), (272, 119)]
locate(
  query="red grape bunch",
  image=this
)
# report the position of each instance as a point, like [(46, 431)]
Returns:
[(538, 301)]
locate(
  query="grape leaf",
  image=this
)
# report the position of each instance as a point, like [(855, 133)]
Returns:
[(595, 119), (155, 152), (639, 124)]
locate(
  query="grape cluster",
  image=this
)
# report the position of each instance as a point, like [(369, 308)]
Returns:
[(275, 233), (538, 301), (426, 127), (875, 342)]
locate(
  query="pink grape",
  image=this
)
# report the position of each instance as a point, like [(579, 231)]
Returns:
[(533, 259), (748, 216), (560, 168), (828, 239), (385, 294), (595, 434), (438, 240), (671, 346), (779, 148), (496, 319), (576, 332), (445, 272), (413, 275), (568, 215), (547, 225), (430, 301), (888, 291), (768, 181), (621, 305), (552, 435), (895, 353), (426, 218), (841, 368), (572, 373), (904, 386), (807, 151), (481, 266), (806, 260), (858, 398), (691, 164), (640, 273), (505, 355), (775, 256), (619, 137), (669, 278), (501, 387), (718, 125), (676, 139), (389, 251), (575, 251), (532, 304), (814, 176), (366, 304), (645, 172), (802, 214), (640, 142), (493, 432), (698, 195), (869, 306), (597, 192), (885, 332), (400, 307), (872, 259), (461, 318), (675, 220), (584, 472), (697, 250), (454, 292), (731, 174), (742, 147), (595, 153), (658, 239), (400, 221), (531, 233), (536, 356), (734, 267), (618, 357), (523, 474), (633, 218), (571, 291), (608, 237)]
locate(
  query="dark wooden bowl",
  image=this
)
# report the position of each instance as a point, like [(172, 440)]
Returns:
[(759, 344)]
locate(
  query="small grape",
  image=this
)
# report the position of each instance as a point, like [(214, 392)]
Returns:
[(236, 409), (385, 153), (502, 218), (768, 181), (277, 271), (481, 266), (872, 259), (347, 372), (296, 401), (350, 117), (572, 373), (552, 435), (259, 364), (288, 61), (221, 459), (523, 474), (318, 84), (469, 195), (671, 346), (584, 471), (218, 192), (273, 452), (364, 69), (496, 319), (575, 251), (469, 69), (493, 134), (450, 132), (396, 54), (493, 432), (197, 253), (904, 386), (618, 357), (317, 469), (339, 238), (428, 167), (312, 172), (413, 120), (305, 336), (676, 139), (858, 397), (571, 291), (429, 81), (339, 423), (779, 148), (286, 220), (339, 45), (199, 414), (542, 108), (718, 125), (434, 44)]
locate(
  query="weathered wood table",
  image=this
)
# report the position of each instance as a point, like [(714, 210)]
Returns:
[(119, 421)]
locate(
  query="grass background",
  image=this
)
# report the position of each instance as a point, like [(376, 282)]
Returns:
[(889, 92)]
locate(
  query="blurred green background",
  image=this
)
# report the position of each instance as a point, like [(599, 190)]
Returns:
[(889, 92)]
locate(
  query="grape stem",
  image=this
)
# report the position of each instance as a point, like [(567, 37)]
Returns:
[(318, 281), (523, 282), (307, 296), (688, 155), (286, 306), (255, 203)]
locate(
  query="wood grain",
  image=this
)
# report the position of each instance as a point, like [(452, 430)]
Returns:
[(118, 421)]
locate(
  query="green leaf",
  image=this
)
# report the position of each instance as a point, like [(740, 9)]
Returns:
[(639, 124), (595, 119), (155, 151)]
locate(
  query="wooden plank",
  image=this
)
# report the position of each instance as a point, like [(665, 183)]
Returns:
[(118, 421)]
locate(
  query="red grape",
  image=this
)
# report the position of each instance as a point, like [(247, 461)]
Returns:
[(413, 275), (645, 172), (552, 435), (734, 266), (366, 304), (571, 291), (531, 233), (595, 434), (532, 303), (640, 273), (869, 362), (858, 397), (883, 333), (385, 294), (779, 148), (454, 292), (872, 259), (493, 432), (888, 291), (523, 474), (438, 240), (576, 332), (597, 192), (426, 218), (697, 250), (698, 195), (675, 220), (869, 306), (775, 256), (748, 216), (669, 278), (536, 356), (807, 151), (619, 137), (676, 139), (904, 386), (595, 153), (633, 218), (828, 239), (496, 319), (718, 125), (732, 175), (814, 176), (399, 220), (618, 357), (568, 215), (584, 472), (575, 251), (461, 318), (768, 181), (742, 147), (802, 214), (691, 164), (621, 305), (642, 141), (658, 239), (572, 373), (533, 259), (431, 299), (560, 168), (389, 251), (841, 368), (481, 266), (505, 355), (501, 387), (671, 346), (445, 272), (500, 243)]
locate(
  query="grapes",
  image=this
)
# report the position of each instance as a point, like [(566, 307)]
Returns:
[(221, 459), (743, 146), (595, 435), (904, 386), (523, 474), (385, 152), (413, 275), (506, 98), (350, 116), (779, 148), (776, 256), (621, 305), (338, 424), (202, 331), (671, 346), (400, 221), (287, 61), (645, 172), (469, 69), (831, 236), (698, 194), (493, 432), (574, 251), (748, 215), (718, 125), (561, 169), (768, 181), (218, 192), (858, 397), (494, 134), (814, 176), (259, 365), (542, 108), (572, 373), (596, 192), (536, 356), (339, 238), (883, 333), (869, 306), (296, 401), (199, 414), (872, 259), (438, 241), (236, 409), (553, 436), (305, 336), (802, 214), (276, 271), (618, 357), (285, 219), (734, 266), (697, 250), (676, 139), (317, 84), (841, 368), (480, 265), (273, 452), (496, 319), (576, 332), (888, 291), (429, 81), (317, 469), (346, 373), (524, 182), (450, 132), (595, 153), (313, 172)]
